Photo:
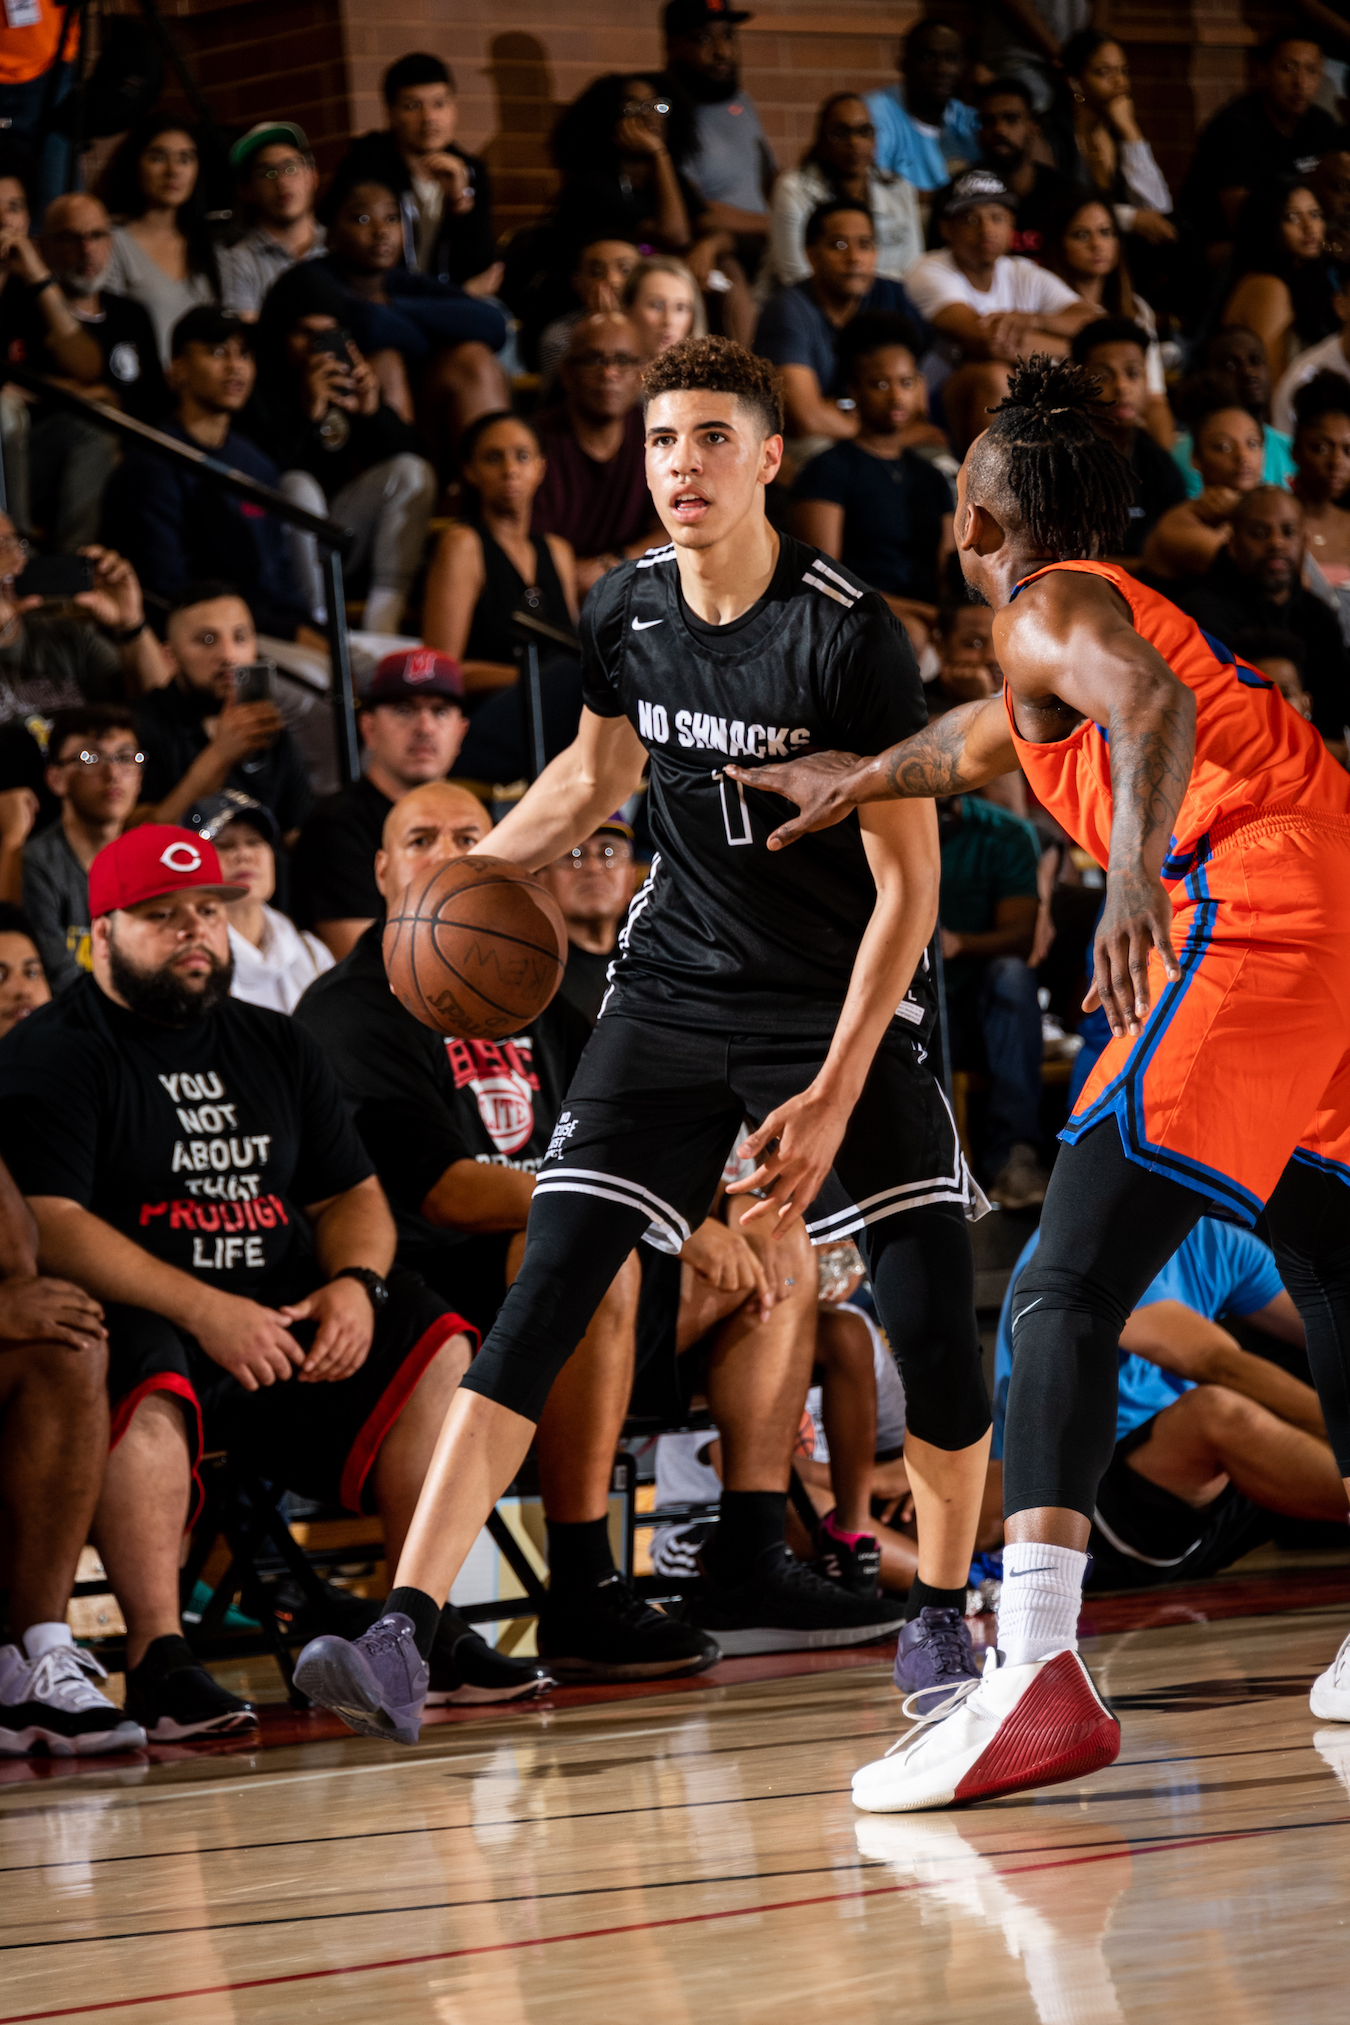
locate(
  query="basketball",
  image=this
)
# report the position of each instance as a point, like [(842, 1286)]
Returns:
[(475, 949)]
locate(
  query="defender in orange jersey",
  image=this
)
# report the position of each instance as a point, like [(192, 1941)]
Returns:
[(1222, 962)]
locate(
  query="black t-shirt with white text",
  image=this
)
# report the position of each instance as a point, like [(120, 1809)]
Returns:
[(201, 1143), (725, 931)]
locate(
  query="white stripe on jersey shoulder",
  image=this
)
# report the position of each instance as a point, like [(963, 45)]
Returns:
[(838, 596), (655, 556), (844, 583), (822, 576)]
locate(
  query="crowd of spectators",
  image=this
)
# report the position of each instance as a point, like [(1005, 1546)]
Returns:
[(236, 1160)]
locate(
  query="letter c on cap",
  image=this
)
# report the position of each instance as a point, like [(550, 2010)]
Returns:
[(181, 858)]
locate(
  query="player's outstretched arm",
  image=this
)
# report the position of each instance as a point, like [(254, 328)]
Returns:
[(959, 751), (600, 769), (795, 1146)]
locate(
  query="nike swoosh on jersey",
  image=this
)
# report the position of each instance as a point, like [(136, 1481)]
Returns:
[(641, 625)]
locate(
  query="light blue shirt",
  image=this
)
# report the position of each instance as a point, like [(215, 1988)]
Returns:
[(1220, 1269), (1277, 470), (927, 160)]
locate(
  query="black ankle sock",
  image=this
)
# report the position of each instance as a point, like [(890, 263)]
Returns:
[(748, 1522), (424, 1611), (921, 1597), (579, 1554)]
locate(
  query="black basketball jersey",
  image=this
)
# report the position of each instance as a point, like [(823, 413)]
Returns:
[(725, 931)]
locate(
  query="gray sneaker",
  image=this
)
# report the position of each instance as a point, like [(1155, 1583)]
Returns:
[(1021, 1183), (376, 1683), (934, 1656)]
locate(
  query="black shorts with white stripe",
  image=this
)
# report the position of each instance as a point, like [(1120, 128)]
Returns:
[(641, 1141)]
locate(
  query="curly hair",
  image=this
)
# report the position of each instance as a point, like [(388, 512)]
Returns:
[(1042, 465), (717, 366), (1326, 393), (124, 197)]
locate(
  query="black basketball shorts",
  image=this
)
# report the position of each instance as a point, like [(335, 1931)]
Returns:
[(1143, 1535)]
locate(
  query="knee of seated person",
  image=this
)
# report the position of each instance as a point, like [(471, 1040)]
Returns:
[(1221, 1411), (74, 1374), (411, 477), (1010, 979)]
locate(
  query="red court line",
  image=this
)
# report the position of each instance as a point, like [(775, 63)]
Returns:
[(649, 1926)]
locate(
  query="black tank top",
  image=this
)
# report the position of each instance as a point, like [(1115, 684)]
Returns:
[(492, 637)]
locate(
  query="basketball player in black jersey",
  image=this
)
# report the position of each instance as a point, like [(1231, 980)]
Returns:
[(787, 988)]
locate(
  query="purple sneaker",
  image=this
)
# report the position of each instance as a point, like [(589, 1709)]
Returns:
[(934, 1656), (376, 1683)]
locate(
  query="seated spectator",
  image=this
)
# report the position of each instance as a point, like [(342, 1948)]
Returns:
[(23, 981), (274, 961), (599, 278), (215, 1339), (1279, 656), (487, 566), (55, 1418), (175, 524), (1110, 157), (340, 448), (1238, 354), (1211, 1441), (428, 341), (1331, 356), (989, 305), (458, 1130), (278, 183), (594, 493), (873, 503), (1115, 351), (987, 908), (731, 165), (1280, 282), (1228, 449), (1274, 130), (1007, 137), (1322, 477), (412, 726), (94, 765), (799, 328), (661, 300), (1255, 581), (163, 255), (1330, 184), (70, 460), (838, 167), (197, 739), (1082, 246), (924, 132), (966, 666), (445, 195), (593, 886), (619, 149), (1028, 39)]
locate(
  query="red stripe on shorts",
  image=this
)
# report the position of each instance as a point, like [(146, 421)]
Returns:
[(361, 1457)]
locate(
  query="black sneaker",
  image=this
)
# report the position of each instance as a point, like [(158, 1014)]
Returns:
[(854, 1564), (172, 1696), (52, 1704), (466, 1669), (784, 1606), (610, 1633)]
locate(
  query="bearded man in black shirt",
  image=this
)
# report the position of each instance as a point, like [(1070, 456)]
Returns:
[(794, 993), (189, 1161)]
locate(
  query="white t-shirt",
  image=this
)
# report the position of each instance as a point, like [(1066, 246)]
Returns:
[(936, 283), (280, 972)]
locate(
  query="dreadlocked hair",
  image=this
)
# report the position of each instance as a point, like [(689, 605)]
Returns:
[(1043, 467)]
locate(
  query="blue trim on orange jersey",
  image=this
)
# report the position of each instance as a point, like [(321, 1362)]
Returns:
[(1249, 677)]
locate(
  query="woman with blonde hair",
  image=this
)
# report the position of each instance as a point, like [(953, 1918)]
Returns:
[(664, 303)]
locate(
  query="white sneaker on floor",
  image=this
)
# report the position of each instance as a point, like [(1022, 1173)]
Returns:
[(1330, 1697), (53, 1701), (1017, 1726)]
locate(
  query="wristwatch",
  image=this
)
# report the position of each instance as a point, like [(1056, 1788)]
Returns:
[(377, 1288)]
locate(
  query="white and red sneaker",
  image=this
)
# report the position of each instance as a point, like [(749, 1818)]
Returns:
[(1017, 1726)]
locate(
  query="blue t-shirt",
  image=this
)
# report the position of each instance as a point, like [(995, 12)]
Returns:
[(1218, 1270), (793, 329), (923, 158), (1278, 468), (893, 514)]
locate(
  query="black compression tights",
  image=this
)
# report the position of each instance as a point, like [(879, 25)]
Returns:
[(1108, 1228)]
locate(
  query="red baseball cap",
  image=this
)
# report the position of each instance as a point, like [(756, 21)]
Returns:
[(147, 863), (417, 671)]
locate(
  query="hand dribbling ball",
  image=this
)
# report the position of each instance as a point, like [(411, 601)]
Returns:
[(475, 948)]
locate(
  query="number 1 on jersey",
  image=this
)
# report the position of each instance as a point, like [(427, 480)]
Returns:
[(745, 837)]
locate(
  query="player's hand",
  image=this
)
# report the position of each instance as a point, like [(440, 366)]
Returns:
[(249, 1341), (821, 784), (50, 1311), (794, 1150), (722, 1258), (1136, 920), (346, 1329)]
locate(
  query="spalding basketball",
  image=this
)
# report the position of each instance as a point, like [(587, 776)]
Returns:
[(476, 948)]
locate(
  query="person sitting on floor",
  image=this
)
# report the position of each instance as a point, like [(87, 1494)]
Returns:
[(94, 765), (23, 982), (274, 961), (188, 1159)]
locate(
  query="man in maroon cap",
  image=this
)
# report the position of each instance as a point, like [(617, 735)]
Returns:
[(189, 1161), (412, 724)]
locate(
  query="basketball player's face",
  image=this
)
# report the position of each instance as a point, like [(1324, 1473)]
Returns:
[(424, 831), (707, 462)]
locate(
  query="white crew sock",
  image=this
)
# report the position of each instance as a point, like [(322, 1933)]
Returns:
[(1038, 1604), (40, 1638)]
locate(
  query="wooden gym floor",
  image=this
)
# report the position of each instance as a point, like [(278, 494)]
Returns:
[(690, 1855)]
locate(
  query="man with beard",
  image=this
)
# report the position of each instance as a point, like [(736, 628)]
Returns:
[(189, 1162), (733, 166), (1008, 133)]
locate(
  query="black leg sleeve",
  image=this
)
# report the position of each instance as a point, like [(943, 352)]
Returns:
[(923, 1277), (1107, 1229), (1309, 1217)]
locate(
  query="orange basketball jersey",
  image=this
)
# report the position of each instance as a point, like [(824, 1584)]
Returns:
[(1253, 753)]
